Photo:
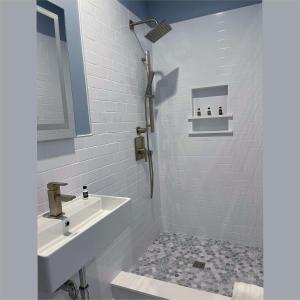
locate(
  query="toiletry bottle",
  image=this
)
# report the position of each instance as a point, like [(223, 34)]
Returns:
[(199, 112), (85, 192), (208, 111), (220, 110)]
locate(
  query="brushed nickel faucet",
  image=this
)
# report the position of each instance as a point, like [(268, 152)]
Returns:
[(55, 198)]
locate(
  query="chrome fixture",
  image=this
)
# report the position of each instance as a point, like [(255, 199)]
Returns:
[(157, 32), (84, 287), (55, 198)]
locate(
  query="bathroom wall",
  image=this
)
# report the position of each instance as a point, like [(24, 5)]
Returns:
[(180, 10), (105, 161), (211, 186)]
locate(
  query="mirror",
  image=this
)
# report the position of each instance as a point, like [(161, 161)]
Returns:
[(62, 102)]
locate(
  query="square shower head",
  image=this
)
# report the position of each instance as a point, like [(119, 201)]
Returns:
[(159, 31)]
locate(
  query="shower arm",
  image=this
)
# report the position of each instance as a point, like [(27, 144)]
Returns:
[(132, 24)]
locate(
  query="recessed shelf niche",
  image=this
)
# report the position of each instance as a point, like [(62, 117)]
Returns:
[(214, 124)]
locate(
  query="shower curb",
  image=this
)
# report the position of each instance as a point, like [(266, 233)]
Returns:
[(128, 286)]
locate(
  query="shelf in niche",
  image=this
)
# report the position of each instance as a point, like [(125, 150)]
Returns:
[(210, 132), (226, 116), (213, 97)]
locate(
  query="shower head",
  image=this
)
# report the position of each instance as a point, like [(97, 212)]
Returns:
[(157, 32)]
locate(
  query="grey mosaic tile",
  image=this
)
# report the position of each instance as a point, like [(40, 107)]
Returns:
[(171, 257)]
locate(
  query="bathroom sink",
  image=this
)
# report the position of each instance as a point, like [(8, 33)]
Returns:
[(87, 227)]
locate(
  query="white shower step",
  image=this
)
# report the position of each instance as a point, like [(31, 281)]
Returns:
[(131, 286)]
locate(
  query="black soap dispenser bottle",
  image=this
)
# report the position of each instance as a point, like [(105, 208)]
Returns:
[(208, 111), (220, 111), (85, 192), (199, 112)]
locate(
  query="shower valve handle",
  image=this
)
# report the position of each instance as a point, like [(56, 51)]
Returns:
[(143, 152), (140, 149)]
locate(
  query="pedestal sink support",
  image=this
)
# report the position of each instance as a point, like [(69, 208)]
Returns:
[(84, 287)]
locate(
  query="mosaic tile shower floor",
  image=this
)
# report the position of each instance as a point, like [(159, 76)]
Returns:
[(171, 258)]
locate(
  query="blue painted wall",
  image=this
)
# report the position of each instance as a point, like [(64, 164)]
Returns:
[(138, 7), (175, 11)]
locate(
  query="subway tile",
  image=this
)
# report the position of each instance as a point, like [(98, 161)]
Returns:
[(207, 186)]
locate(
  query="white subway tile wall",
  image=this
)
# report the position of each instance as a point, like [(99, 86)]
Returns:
[(212, 186), (207, 186), (105, 161)]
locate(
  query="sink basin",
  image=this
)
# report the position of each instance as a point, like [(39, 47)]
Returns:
[(87, 227)]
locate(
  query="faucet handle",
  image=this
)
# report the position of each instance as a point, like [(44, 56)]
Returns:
[(55, 185)]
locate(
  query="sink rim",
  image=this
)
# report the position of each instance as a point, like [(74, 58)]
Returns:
[(61, 240)]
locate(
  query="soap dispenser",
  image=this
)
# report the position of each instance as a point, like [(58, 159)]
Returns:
[(85, 192), (199, 112), (208, 111), (220, 110)]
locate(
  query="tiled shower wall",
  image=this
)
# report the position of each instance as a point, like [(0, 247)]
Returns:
[(105, 161), (209, 186), (212, 186)]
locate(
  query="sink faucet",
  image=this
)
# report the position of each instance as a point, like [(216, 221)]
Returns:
[(55, 198)]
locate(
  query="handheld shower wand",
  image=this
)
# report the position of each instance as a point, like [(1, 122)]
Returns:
[(149, 110)]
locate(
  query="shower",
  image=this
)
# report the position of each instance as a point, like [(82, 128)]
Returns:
[(157, 32), (153, 35)]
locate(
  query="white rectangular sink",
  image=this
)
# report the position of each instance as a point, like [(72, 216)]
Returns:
[(87, 227)]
